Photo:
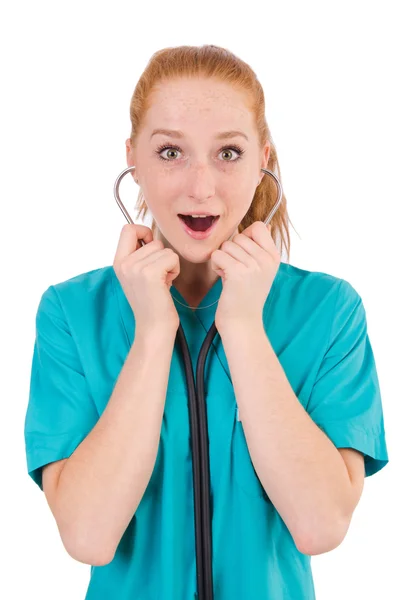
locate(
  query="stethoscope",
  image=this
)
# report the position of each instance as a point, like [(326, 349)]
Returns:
[(199, 429)]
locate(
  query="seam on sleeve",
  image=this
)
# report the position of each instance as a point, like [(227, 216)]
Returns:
[(331, 327), (69, 327), (51, 436), (129, 343), (327, 345), (75, 346), (365, 430)]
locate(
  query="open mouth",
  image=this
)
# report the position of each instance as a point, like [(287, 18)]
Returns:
[(198, 227), (198, 224)]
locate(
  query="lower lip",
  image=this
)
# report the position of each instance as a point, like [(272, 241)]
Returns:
[(199, 235)]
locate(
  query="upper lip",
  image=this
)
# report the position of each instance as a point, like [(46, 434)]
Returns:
[(199, 212)]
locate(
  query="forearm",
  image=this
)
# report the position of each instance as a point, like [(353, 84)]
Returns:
[(301, 470), (105, 478)]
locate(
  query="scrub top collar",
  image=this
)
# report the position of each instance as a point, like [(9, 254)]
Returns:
[(206, 316)]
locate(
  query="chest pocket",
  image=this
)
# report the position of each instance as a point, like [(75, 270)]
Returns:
[(244, 469)]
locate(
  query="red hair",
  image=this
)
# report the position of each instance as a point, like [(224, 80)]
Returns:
[(211, 61)]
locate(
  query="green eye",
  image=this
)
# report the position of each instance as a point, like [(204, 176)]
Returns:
[(236, 149)]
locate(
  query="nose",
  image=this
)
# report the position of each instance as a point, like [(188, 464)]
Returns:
[(200, 182)]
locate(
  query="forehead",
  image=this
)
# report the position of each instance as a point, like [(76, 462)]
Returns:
[(180, 102)]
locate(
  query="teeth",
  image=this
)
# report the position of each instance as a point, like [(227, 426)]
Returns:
[(200, 216)]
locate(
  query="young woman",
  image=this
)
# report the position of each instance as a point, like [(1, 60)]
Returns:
[(293, 404)]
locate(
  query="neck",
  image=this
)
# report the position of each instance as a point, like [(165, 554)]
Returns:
[(194, 280)]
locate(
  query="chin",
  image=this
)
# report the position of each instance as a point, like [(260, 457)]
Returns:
[(197, 255)]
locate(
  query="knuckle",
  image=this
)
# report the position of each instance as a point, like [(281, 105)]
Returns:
[(123, 269)]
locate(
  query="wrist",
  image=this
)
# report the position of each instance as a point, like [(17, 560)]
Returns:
[(155, 334), (239, 327)]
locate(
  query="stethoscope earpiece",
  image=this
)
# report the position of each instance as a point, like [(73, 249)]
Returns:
[(130, 169)]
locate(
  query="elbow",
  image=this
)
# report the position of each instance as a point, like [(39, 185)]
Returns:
[(316, 542), (85, 543), (81, 552)]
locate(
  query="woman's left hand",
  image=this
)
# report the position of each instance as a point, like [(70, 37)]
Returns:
[(248, 265)]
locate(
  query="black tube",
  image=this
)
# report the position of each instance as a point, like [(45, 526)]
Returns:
[(201, 478)]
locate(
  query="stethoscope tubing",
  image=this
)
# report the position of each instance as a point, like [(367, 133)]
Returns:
[(199, 428)]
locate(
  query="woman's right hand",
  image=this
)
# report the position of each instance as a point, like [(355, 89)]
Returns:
[(146, 274)]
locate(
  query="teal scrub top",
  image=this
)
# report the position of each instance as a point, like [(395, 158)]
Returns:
[(316, 324)]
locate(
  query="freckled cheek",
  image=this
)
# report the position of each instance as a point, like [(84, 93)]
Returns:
[(160, 201)]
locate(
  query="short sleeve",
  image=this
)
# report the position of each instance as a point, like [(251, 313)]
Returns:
[(346, 401), (60, 411)]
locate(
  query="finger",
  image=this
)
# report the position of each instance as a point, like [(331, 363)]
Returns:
[(129, 239), (221, 261), (242, 249), (251, 246), (256, 233)]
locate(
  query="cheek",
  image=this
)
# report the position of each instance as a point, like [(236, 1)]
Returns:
[(156, 198), (239, 193), (163, 197), (238, 206)]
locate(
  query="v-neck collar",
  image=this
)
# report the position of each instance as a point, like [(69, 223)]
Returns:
[(206, 316)]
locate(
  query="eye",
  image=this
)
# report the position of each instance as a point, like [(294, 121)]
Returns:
[(239, 151)]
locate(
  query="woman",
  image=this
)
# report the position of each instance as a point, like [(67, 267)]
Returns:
[(294, 411)]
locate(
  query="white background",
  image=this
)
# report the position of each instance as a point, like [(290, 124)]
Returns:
[(68, 72)]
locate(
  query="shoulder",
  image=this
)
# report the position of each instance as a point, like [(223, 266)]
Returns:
[(86, 291), (314, 287), (89, 282)]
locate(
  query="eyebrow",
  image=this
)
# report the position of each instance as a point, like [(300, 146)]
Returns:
[(220, 135)]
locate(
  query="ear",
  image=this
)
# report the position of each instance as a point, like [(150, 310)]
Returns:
[(266, 156), (129, 153), (127, 148)]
